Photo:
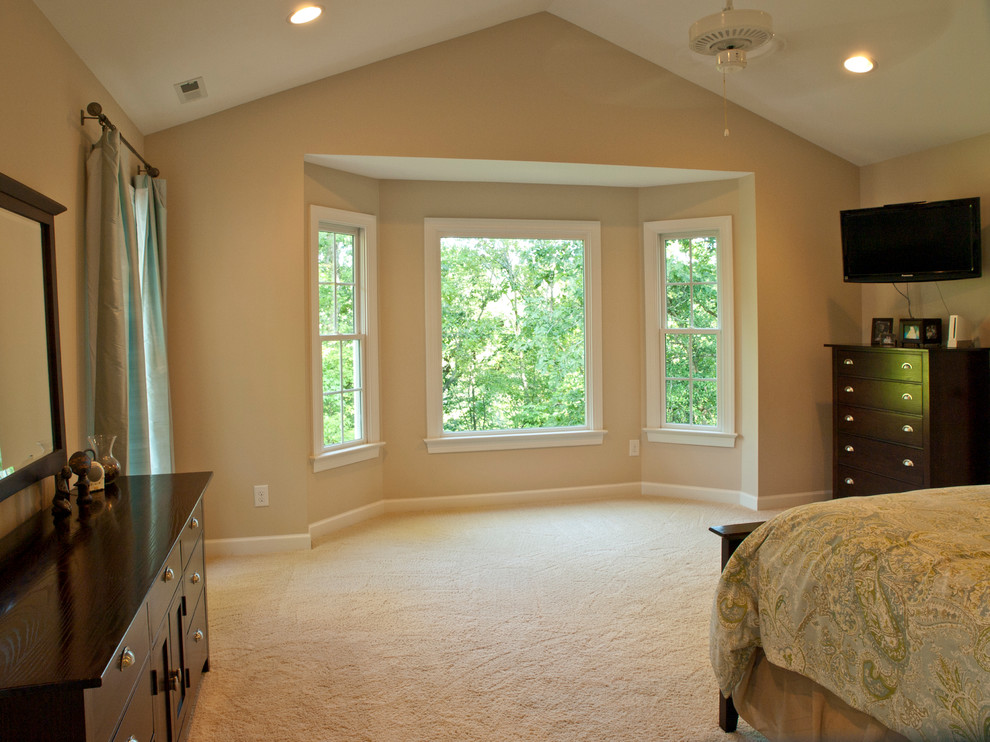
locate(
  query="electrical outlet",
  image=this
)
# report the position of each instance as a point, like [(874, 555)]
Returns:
[(261, 495), (634, 447)]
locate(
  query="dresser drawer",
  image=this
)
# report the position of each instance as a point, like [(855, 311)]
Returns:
[(197, 647), (168, 580), (886, 459), (894, 396), (857, 483), (138, 724), (191, 533), (897, 365), (907, 430), (105, 704), (195, 578)]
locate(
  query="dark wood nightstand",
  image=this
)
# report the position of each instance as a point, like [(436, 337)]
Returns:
[(732, 535)]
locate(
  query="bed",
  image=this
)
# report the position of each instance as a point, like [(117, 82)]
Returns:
[(862, 618)]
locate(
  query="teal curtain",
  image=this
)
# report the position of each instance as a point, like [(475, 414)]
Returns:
[(126, 359)]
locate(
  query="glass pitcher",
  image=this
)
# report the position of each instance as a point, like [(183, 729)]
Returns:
[(103, 448)]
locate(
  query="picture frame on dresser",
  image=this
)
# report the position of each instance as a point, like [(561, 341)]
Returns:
[(882, 329), (931, 332), (911, 332)]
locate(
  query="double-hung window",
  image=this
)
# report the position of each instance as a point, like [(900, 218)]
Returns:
[(344, 331), (513, 334), (689, 339)]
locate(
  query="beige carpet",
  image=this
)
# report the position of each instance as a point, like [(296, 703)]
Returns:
[(565, 622)]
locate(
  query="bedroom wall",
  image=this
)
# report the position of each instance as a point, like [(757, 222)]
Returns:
[(668, 466), (43, 145), (409, 470), (336, 491), (959, 170), (533, 89)]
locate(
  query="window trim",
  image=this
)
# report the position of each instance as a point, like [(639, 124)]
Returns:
[(592, 433), (366, 252), (657, 431)]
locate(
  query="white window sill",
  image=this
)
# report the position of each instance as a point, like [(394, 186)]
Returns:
[(509, 441), (691, 437), (345, 456)]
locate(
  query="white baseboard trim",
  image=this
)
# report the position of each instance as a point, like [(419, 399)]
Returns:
[(687, 492), (777, 502), (522, 497), (321, 529), (325, 527), (257, 545), (733, 497)]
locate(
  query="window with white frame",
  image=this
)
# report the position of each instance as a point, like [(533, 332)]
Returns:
[(344, 329), (513, 334), (689, 338)]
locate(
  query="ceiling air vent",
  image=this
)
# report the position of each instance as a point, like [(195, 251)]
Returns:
[(190, 90)]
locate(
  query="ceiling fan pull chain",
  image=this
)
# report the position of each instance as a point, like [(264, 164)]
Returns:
[(725, 108)]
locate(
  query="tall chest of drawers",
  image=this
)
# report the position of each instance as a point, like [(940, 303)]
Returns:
[(909, 418)]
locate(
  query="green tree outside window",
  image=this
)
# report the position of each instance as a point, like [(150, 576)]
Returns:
[(691, 321), (512, 333)]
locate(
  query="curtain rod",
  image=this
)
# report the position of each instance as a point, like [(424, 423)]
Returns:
[(96, 112)]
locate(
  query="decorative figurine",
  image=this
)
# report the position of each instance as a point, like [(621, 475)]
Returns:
[(97, 481), (61, 505), (80, 462)]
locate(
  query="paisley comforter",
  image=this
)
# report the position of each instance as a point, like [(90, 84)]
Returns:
[(883, 600)]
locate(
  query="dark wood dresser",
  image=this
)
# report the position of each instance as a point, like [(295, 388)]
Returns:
[(103, 628), (909, 418)]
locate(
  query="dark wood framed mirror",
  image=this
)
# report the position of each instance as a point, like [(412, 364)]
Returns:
[(32, 418)]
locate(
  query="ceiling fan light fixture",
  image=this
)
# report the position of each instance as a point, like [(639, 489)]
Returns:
[(306, 14), (730, 60), (860, 64)]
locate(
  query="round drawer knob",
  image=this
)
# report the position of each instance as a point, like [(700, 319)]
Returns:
[(848, 362), (195, 578), (198, 636), (849, 480), (907, 428), (908, 462), (906, 366), (126, 658), (194, 523), (169, 574), (848, 390), (849, 418), (849, 449), (132, 738), (906, 397)]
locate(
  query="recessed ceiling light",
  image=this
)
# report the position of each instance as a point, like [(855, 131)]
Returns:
[(859, 64), (306, 14)]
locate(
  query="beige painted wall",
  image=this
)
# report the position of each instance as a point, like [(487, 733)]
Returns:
[(703, 466), (336, 491), (409, 470), (534, 89), (44, 85), (959, 170), (537, 89)]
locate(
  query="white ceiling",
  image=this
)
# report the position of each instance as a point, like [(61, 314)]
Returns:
[(930, 86)]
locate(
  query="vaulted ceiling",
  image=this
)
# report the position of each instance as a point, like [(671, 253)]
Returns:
[(929, 87)]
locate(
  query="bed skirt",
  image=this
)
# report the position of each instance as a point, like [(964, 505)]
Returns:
[(783, 705)]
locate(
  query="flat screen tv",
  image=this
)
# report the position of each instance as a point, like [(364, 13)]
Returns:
[(927, 241)]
